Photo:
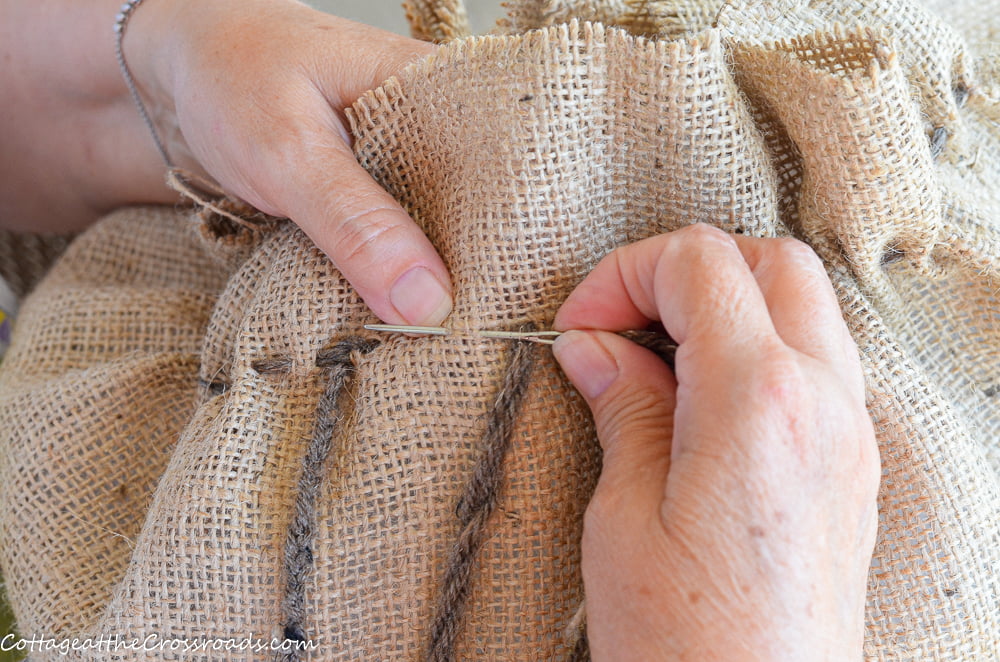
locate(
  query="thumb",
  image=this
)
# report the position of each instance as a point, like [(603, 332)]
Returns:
[(632, 395), (375, 244)]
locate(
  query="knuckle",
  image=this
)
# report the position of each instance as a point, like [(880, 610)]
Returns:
[(702, 232), (795, 251), (287, 147), (869, 459), (779, 379), (361, 233), (604, 510), (633, 411)]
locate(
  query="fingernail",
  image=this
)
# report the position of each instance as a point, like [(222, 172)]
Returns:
[(420, 298), (586, 362)]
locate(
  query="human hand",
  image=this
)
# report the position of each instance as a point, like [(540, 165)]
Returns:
[(251, 93), (735, 515)]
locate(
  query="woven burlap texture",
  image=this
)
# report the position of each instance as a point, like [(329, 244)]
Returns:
[(200, 440)]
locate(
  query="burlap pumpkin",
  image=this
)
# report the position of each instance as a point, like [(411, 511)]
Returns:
[(200, 440)]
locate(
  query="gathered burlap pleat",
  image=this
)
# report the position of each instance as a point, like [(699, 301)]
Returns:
[(200, 441)]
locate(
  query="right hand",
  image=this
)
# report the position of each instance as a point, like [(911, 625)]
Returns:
[(735, 515)]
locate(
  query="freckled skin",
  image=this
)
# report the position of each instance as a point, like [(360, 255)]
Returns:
[(73, 146), (735, 486)]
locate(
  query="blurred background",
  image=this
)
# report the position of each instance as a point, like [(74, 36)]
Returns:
[(386, 14)]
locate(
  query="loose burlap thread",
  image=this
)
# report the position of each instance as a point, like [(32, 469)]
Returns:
[(178, 382)]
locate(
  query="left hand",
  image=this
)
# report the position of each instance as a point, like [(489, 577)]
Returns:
[(252, 93)]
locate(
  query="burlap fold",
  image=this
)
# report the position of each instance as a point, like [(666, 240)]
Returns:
[(201, 441)]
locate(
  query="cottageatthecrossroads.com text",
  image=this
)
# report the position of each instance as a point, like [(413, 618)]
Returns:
[(150, 643)]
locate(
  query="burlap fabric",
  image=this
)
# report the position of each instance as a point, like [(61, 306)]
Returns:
[(200, 440)]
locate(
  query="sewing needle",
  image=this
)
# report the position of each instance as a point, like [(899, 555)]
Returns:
[(402, 328), (662, 345), (543, 337)]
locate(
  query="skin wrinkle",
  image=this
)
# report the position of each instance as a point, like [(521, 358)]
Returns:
[(362, 236)]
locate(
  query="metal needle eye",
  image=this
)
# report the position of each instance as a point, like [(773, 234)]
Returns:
[(402, 328), (543, 337)]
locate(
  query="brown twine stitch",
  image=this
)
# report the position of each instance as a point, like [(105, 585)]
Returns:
[(325, 358), (272, 365), (659, 343), (298, 545), (581, 651), (341, 352), (478, 502)]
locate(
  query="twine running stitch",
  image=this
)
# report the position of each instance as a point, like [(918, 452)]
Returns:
[(339, 360), (478, 502)]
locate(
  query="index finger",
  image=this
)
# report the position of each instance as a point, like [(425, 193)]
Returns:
[(695, 281)]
